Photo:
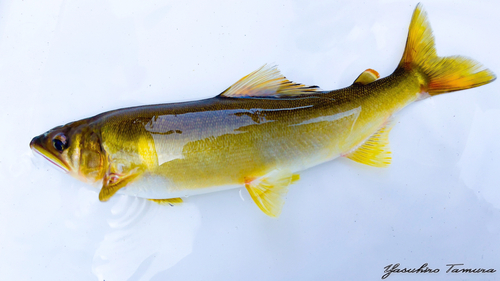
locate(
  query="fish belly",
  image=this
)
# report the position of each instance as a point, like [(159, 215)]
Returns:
[(159, 187)]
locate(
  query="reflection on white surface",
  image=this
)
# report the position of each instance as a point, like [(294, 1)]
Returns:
[(146, 237), (438, 202), (479, 175)]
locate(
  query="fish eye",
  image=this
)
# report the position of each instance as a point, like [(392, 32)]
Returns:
[(59, 142)]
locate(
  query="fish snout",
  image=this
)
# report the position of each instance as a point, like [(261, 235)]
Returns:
[(32, 142), (35, 140)]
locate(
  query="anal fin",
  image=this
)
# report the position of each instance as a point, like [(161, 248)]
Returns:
[(268, 191), (375, 151), (169, 201)]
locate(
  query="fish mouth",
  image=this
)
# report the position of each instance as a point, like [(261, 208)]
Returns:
[(38, 149)]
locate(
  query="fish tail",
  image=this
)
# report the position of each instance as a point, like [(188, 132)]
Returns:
[(440, 74)]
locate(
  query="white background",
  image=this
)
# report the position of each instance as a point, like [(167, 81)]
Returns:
[(62, 61)]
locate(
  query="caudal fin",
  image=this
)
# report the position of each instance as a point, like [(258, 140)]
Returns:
[(443, 74)]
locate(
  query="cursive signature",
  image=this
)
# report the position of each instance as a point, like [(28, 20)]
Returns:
[(452, 268)]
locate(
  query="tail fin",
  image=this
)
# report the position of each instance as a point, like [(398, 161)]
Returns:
[(445, 74)]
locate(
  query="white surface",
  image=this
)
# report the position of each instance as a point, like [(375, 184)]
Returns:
[(438, 203)]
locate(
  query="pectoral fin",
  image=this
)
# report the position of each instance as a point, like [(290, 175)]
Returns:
[(375, 151), (268, 191), (170, 201), (113, 183)]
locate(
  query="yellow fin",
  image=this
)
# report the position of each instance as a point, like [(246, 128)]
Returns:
[(107, 192), (367, 77), (267, 82), (420, 42), (444, 74), (375, 151), (119, 174), (170, 201), (268, 191), (113, 183)]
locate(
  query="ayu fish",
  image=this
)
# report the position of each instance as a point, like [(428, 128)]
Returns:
[(259, 133)]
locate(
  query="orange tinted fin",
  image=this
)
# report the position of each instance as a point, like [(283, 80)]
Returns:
[(442, 74), (367, 77), (375, 151), (267, 82), (268, 191), (170, 201)]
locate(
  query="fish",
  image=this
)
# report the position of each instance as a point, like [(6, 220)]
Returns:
[(258, 133)]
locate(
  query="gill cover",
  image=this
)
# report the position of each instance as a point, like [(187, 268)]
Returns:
[(75, 148)]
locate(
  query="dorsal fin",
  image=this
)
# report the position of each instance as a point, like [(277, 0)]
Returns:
[(367, 77), (267, 82)]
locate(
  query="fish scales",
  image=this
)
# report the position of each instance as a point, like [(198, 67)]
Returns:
[(213, 134)]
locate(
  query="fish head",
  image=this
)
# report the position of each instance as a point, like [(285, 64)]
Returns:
[(75, 149)]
